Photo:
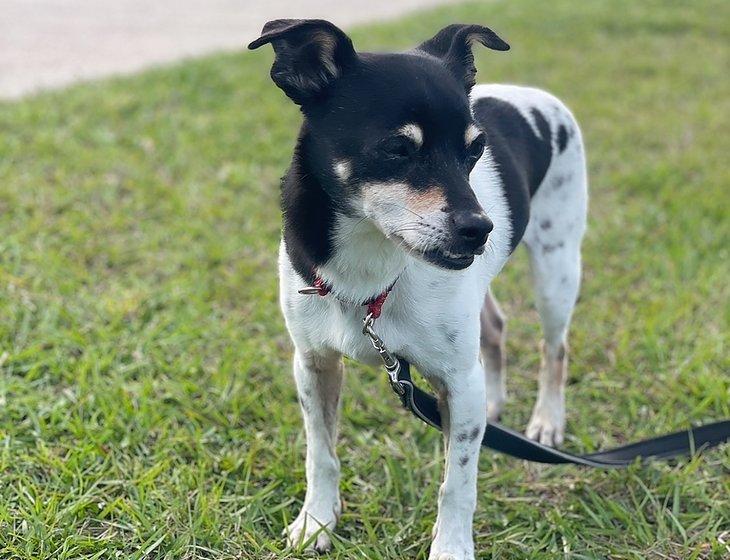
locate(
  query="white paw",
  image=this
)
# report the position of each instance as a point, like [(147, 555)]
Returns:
[(453, 547), (311, 532), (547, 425), (450, 556)]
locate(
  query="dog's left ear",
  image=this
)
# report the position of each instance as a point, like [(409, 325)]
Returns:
[(310, 55), (453, 45)]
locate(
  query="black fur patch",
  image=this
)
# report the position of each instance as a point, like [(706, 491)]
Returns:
[(308, 215), (522, 157), (562, 138)]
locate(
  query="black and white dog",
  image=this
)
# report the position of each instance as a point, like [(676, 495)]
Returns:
[(407, 179)]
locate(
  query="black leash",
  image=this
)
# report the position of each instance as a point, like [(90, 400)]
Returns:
[(504, 440)]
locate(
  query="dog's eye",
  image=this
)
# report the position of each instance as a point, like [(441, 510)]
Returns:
[(475, 149), (398, 148)]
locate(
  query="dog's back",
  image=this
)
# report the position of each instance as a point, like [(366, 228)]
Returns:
[(532, 139)]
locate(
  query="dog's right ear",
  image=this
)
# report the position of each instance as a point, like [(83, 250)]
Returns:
[(310, 55)]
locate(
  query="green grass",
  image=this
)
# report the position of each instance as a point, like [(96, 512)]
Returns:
[(146, 404)]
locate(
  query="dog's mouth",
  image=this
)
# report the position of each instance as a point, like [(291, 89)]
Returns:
[(446, 259), (441, 257)]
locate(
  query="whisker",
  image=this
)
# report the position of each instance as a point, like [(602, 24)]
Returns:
[(355, 225), (404, 207)]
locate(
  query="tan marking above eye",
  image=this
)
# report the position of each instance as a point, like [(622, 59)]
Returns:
[(471, 134), (412, 131)]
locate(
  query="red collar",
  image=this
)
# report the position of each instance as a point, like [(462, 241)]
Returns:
[(375, 304)]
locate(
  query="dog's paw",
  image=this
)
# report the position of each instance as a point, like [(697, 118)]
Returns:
[(310, 533), (450, 545), (547, 425), (450, 556)]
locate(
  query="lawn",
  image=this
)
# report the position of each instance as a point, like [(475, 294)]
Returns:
[(146, 404)]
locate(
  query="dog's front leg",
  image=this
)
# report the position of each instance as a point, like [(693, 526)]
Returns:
[(319, 380), (465, 399)]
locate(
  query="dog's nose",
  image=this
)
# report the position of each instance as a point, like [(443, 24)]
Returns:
[(472, 229)]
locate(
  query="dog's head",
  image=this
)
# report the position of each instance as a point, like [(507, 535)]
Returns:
[(392, 134)]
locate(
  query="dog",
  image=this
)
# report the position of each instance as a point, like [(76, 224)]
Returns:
[(410, 182)]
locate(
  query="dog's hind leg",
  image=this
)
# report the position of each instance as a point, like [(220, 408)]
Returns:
[(556, 274), (319, 381), (553, 239), (492, 342)]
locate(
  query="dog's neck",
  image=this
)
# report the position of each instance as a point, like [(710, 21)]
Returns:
[(364, 263), (324, 241)]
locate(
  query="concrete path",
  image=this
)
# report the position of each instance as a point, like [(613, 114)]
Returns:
[(51, 43)]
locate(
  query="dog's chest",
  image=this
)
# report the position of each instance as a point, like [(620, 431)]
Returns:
[(327, 324), (425, 324)]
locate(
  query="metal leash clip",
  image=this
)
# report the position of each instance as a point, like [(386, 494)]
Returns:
[(309, 290), (392, 365)]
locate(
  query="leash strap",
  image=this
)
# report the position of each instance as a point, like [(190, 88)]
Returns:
[(502, 439)]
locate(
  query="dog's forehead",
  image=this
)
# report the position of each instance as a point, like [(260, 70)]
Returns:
[(393, 90)]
